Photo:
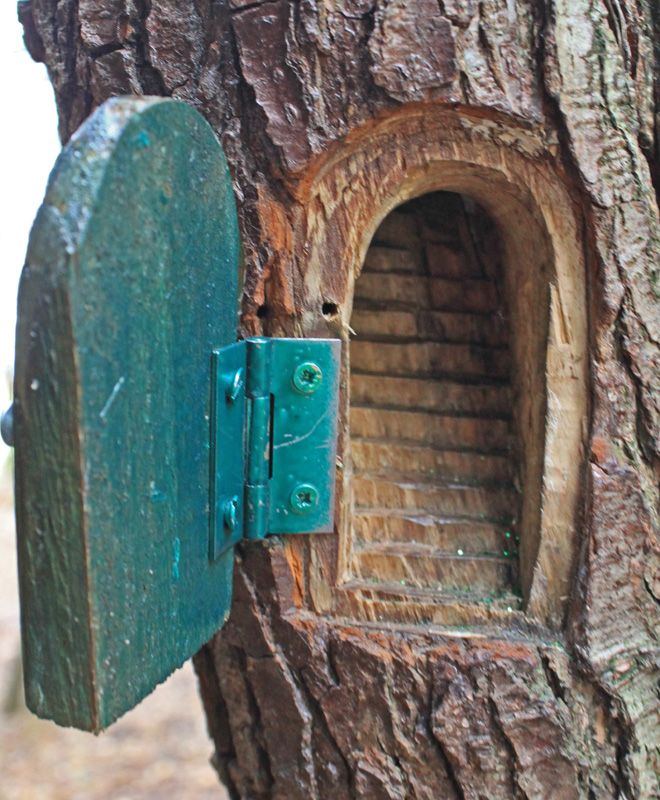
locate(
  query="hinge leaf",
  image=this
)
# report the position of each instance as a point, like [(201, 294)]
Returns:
[(228, 437), (305, 386)]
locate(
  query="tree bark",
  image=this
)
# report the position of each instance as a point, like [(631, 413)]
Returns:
[(321, 106)]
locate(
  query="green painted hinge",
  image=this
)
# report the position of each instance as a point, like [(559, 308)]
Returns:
[(273, 439)]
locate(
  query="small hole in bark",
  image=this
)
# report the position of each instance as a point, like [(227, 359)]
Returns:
[(263, 311), (330, 310)]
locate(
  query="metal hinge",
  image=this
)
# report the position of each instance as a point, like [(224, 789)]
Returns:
[(273, 439)]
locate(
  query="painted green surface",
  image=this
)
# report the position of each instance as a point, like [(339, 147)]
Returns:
[(304, 434), (275, 407), (130, 283)]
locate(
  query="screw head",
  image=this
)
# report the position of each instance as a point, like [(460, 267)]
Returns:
[(230, 513), (307, 377), (234, 385), (304, 498)]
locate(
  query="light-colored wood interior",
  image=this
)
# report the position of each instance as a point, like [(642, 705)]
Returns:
[(434, 506), (342, 200)]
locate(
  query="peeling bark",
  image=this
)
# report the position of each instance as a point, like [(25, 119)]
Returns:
[(307, 697)]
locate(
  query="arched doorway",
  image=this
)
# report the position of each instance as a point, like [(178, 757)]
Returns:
[(407, 155), (433, 440)]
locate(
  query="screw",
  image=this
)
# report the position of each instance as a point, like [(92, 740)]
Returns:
[(307, 377), (230, 512), (304, 498), (234, 386)]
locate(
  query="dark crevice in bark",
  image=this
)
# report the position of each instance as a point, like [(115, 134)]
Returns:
[(252, 121), (68, 87), (263, 755), (617, 24), (517, 792), (320, 720), (236, 11), (217, 717), (403, 774), (104, 49), (206, 29), (391, 721), (151, 80), (261, 608), (445, 760), (553, 679), (651, 592), (366, 15), (256, 732), (375, 93), (652, 148), (468, 95), (624, 769), (332, 667), (257, 147), (489, 51), (592, 792), (432, 703), (617, 724), (198, 63)]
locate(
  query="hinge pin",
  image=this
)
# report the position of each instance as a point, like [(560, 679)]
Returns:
[(304, 498), (307, 377)]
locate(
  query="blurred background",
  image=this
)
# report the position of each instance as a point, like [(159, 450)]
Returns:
[(160, 750)]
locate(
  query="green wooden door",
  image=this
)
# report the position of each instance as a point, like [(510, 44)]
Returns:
[(131, 282)]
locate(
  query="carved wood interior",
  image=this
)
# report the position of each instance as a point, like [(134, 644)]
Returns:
[(343, 200), (432, 445)]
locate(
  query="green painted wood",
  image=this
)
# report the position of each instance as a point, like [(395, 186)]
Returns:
[(131, 281)]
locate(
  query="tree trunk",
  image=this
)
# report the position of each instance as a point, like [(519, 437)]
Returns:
[(344, 671)]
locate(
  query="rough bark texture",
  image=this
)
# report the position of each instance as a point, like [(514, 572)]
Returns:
[(319, 105)]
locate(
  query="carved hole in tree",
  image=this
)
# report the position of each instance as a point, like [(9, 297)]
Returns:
[(329, 310), (434, 454)]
